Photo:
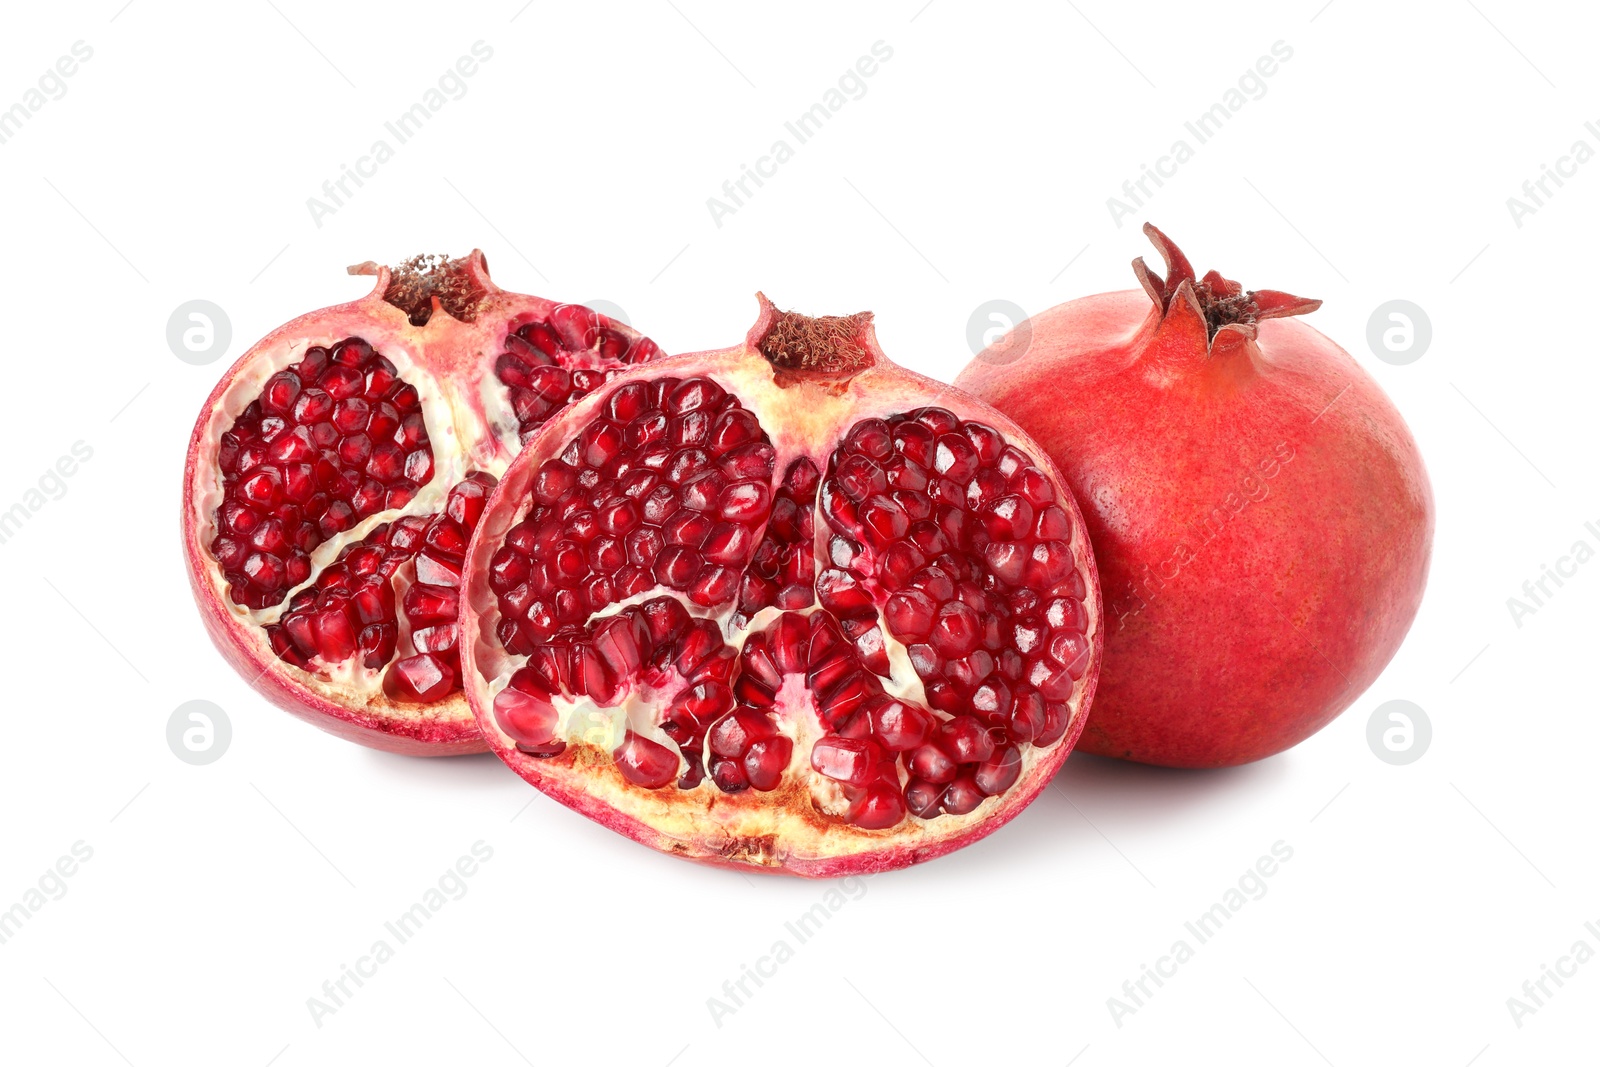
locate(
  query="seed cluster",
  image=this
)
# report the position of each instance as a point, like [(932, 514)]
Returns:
[(331, 440), (548, 365), (939, 530)]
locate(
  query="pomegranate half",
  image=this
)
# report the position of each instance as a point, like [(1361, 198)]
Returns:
[(1259, 511), (336, 473), (783, 605)]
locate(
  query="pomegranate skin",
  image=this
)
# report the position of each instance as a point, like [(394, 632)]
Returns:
[(1260, 514)]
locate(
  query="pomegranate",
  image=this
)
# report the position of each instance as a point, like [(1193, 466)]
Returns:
[(1259, 512), (338, 469), (783, 605)]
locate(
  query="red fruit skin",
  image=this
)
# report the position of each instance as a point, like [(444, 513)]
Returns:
[(1232, 641)]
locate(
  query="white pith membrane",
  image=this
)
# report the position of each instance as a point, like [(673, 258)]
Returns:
[(471, 430), (805, 816)]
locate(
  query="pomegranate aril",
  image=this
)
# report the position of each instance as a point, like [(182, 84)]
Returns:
[(677, 566), (525, 712), (962, 796), (313, 405), (870, 438), (922, 798), (435, 638), (999, 772), (955, 630), (264, 571), (424, 677), (729, 775), (765, 762), (373, 601), (377, 644), (879, 808), (733, 734), (334, 634), (859, 477), (538, 341), (644, 762), (930, 763), (992, 701), (910, 615), (430, 603), (965, 740), (1057, 717), (352, 352), (900, 726), (845, 760)]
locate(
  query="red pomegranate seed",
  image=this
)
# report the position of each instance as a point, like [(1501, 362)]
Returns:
[(645, 763), (900, 726), (765, 761), (966, 740), (423, 677), (929, 762), (962, 796), (430, 603), (910, 614), (729, 776), (734, 734), (845, 760), (922, 798), (879, 808), (999, 772), (529, 718)]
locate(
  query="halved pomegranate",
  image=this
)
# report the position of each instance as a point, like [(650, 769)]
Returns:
[(338, 469), (784, 605)]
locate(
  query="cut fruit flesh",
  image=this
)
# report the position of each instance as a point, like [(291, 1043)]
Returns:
[(780, 615), (338, 471)]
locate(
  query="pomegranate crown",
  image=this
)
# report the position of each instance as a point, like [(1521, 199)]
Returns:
[(1222, 303), (821, 348), (428, 283)]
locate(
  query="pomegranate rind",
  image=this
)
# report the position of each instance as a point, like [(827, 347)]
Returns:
[(1250, 668), (471, 427), (775, 831)]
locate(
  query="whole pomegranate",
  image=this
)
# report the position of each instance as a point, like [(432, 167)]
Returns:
[(338, 469), (783, 605), (1259, 512)]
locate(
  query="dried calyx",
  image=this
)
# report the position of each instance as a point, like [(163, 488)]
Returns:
[(1222, 303)]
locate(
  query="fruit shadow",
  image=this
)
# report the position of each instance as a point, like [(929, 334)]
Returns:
[(1095, 802), (1140, 796), (481, 771)]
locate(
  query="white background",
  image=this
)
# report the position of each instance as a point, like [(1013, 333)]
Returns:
[(976, 166)]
